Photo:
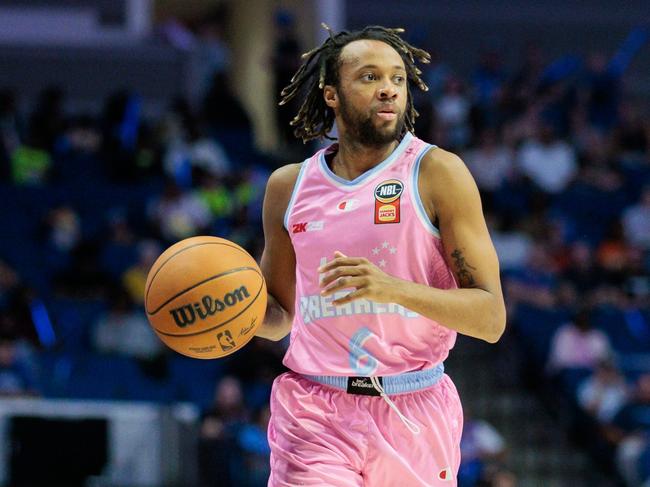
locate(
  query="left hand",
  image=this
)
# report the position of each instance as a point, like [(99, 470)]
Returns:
[(356, 272)]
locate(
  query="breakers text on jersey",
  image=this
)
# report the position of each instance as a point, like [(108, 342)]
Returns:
[(315, 307)]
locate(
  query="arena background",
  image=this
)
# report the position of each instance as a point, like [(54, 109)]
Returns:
[(127, 125)]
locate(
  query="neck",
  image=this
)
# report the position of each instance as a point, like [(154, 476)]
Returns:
[(353, 159)]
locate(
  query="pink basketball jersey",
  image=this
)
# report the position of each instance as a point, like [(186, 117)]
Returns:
[(378, 216)]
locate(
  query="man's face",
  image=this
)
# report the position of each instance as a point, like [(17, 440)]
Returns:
[(372, 93)]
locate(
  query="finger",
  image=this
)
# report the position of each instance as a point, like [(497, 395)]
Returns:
[(359, 293), (340, 272), (339, 261), (344, 282), (338, 253)]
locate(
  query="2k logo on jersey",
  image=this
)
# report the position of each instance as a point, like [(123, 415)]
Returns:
[(387, 201), (307, 226)]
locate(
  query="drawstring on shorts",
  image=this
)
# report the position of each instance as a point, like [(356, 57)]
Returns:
[(413, 427)]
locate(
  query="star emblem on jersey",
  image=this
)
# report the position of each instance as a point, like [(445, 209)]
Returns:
[(383, 251), (387, 201)]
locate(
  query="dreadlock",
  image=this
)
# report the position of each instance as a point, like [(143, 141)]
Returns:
[(321, 67)]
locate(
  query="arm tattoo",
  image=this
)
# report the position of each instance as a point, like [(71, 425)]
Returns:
[(463, 269)]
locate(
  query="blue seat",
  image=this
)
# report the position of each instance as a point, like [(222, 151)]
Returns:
[(536, 327), (141, 386), (99, 377), (72, 320), (196, 379)]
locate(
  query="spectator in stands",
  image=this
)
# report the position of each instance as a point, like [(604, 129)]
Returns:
[(217, 447), (534, 283), (487, 82), (523, 85), (30, 165), (16, 375), (188, 148), (179, 215), (632, 134), (31, 161), (119, 250), (452, 114), (9, 284), (219, 455), (83, 136), (124, 330), (636, 221), (604, 392), (254, 445), (214, 54), (481, 446), (629, 432), (216, 195), (633, 460), (436, 74), (491, 163), (10, 129), (548, 161), (512, 243), (634, 415), (581, 267), (223, 111), (577, 345), (134, 278), (63, 228), (285, 61)]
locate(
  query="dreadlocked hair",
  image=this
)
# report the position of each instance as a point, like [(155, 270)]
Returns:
[(321, 67)]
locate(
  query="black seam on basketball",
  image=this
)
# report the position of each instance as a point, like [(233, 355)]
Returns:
[(231, 271), (146, 294), (180, 335)]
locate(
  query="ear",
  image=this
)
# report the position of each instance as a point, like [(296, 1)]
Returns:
[(331, 96)]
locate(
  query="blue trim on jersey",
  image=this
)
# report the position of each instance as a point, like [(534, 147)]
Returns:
[(294, 193), (392, 384), (339, 181), (415, 191)]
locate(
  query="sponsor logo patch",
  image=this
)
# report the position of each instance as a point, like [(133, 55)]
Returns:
[(445, 474), (363, 386), (387, 201), (348, 205)]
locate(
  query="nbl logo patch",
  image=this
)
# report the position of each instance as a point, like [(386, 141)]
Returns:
[(387, 201)]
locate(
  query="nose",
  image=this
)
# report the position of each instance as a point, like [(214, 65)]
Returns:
[(387, 92)]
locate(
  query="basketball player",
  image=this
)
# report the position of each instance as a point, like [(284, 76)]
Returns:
[(376, 255)]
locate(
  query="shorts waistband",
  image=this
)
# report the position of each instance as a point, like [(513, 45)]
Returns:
[(392, 384)]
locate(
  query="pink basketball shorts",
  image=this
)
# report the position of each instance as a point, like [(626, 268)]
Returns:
[(322, 435)]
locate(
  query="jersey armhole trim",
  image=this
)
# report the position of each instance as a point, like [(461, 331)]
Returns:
[(294, 193), (415, 194)]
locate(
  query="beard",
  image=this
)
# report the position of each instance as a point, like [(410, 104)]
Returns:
[(362, 127)]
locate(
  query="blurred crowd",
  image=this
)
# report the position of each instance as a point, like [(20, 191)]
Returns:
[(559, 150)]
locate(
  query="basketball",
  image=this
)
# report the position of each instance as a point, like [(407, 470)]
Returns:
[(205, 297)]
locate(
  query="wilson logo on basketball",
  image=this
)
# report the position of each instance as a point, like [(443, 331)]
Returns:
[(187, 314)]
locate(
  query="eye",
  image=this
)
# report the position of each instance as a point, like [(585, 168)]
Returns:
[(368, 77), (399, 79)]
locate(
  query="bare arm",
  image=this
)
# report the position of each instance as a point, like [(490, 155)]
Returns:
[(476, 308), (278, 262)]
